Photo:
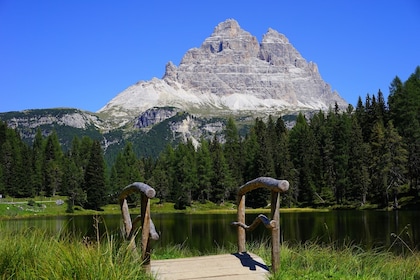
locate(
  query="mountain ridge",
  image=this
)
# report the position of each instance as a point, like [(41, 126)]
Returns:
[(231, 72)]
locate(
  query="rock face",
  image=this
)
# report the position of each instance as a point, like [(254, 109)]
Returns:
[(153, 116), (33, 119), (232, 72)]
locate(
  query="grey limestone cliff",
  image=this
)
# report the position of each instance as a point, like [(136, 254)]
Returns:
[(232, 72)]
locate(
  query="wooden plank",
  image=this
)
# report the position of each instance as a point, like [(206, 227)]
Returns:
[(229, 266)]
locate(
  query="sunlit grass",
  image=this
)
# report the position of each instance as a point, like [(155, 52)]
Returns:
[(12, 208), (36, 254), (312, 261)]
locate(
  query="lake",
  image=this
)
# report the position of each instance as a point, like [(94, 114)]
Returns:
[(394, 230)]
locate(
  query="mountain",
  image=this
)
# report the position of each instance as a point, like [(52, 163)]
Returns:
[(230, 75)]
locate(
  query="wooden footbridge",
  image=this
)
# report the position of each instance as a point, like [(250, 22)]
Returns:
[(239, 265)]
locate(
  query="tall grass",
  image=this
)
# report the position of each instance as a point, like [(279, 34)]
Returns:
[(312, 261), (36, 254)]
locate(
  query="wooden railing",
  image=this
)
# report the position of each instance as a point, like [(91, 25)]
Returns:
[(276, 187), (149, 232), (147, 226)]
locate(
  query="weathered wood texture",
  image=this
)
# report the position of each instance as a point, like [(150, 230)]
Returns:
[(264, 182), (229, 266), (276, 187), (147, 226)]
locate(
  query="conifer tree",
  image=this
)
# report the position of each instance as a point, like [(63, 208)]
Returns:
[(15, 159), (341, 135), (281, 156), (398, 157), (38, 148), (127, 169), (303, 154), (283, 164), (94, 180), (160, 180), (324, 168), (404, 106), (26, 188), (72, 187), (251, 147), (379, 165), (222, 183), (264, 156), (185, 174), (204, 170), (52, 167), (264, 163), (232, 151), (358, 168), (163, 175)]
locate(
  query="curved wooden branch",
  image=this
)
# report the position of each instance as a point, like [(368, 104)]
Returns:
[(130, 226), (153, 233), (270, 224), (137, 187), (272, 184)]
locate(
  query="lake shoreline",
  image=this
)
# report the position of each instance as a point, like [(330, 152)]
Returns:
[(25, 208)]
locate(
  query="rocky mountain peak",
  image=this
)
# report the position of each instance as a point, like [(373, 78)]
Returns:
[(232, 72), (276, 49), (228, 28)]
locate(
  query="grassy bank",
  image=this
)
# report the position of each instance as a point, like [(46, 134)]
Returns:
[(42, 206), (33, 254)]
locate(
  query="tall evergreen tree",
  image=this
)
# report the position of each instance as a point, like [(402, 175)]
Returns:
[(126, 170), (281, 156), (264, 163), (204, 170), (398, 157), (52, 167), (358, 168), (95, 181), (251, 147), (232, 151), (325, 175), (72, 184), (264, 157), (38, 148), (341, 135), (185, 174), (15, 160), (303, 154), (163, 175), (160, 180), (380, 165), (282, 160), (404, 106), (73, 175), (222, 184)]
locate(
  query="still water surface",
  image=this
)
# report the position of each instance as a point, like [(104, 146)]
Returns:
[(204, 232)]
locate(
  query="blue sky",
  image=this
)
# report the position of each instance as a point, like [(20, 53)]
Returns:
[(56, 53)]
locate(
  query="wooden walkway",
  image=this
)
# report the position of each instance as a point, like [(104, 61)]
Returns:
[(229, 266)]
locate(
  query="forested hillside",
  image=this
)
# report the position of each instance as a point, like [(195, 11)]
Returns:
[(367, 156)]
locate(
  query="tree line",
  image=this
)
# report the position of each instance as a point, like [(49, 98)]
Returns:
[(363, 156)]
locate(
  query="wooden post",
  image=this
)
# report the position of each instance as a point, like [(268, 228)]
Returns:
[(275, 231), (145, 232), (126, 218), (276, 187), (241, 219), (148, 228)]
